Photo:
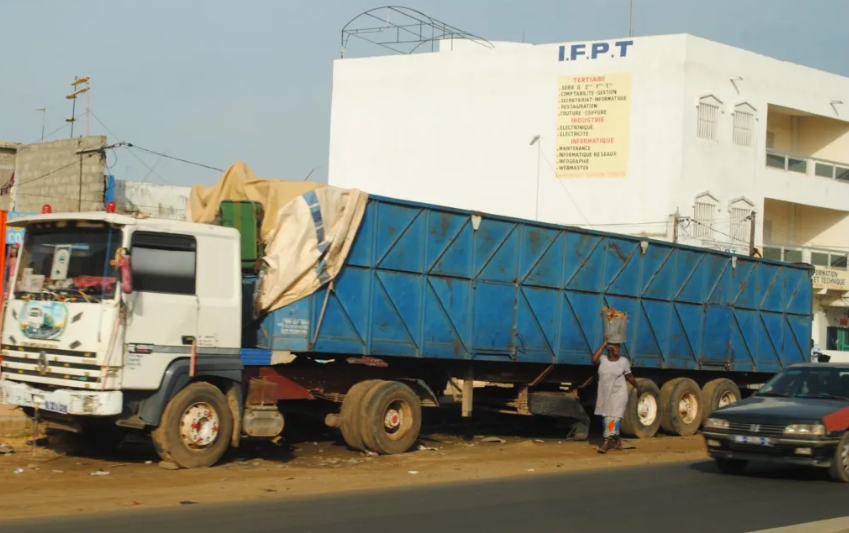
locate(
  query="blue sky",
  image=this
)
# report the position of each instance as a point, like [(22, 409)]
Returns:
[(218, 81)]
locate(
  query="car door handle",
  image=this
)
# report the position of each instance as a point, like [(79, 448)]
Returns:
[(188, 340)]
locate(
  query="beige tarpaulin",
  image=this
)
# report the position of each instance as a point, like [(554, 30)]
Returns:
[(308, 229), (240, 183)]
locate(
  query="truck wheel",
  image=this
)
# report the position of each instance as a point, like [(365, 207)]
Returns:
[(391, 418), (196, 427), (718, 393), (681, 407), (350, 413), (642, 416), (839, 469), (731, 467)]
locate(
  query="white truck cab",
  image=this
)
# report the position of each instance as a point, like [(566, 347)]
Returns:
[(110, 316)]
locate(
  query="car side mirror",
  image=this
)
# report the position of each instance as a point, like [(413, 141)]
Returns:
[(126, 275), (823, 358)]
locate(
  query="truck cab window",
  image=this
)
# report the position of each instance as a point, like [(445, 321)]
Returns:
[(163, 263)]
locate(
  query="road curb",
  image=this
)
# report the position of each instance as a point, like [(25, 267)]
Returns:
[(835, 525)]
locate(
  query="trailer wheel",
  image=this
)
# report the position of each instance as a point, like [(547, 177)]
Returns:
[(681, 407), (391, 418), (839, 469), (642, 416), (718, 393), (196, 427), (350, 414)]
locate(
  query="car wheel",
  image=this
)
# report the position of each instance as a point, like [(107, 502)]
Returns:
[(839, 470), (731, 467)]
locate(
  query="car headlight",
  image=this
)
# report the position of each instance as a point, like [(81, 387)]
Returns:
[(816, 430), (716, 423)]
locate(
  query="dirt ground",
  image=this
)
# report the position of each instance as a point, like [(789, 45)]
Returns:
[(39, 481)]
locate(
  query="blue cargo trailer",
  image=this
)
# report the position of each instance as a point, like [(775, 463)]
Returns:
[(438, 298), (428, 307)]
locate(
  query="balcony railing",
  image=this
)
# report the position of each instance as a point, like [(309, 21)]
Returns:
[(809, 166)]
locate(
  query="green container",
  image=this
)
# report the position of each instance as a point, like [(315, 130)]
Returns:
[(245, 216)]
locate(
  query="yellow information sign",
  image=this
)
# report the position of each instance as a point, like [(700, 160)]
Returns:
[(831, 279), (593, 125)]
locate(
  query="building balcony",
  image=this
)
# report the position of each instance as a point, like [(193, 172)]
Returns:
[(832, 266), (808, 166)]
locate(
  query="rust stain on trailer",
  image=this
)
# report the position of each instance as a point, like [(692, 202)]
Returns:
[(618, 251)]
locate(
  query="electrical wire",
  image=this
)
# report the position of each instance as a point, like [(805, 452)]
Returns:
[(131, 145), (112, 133), (54, 171), (574, 203)]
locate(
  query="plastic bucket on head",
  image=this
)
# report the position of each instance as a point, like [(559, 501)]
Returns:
[(616, 329)]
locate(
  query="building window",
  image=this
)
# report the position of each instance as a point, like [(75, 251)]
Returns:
[(744, 125), (708, 120), (163, 263), (704, 210), (741, 212)]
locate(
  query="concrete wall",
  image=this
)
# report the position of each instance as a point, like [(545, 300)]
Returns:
[(455, 127), (7, 169), (160, 201), (54, 173)]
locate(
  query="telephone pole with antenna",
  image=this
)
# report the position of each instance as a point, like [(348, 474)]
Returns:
[(81, 86)]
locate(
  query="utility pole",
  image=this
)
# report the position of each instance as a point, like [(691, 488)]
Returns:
[(675, 221), (84, 81), (752, 219)]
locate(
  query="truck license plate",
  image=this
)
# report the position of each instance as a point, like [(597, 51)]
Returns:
[(757, 441)]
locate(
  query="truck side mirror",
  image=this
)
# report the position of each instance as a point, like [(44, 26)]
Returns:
[(126, 275)]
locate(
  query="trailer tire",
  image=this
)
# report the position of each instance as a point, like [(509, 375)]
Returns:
[(390, 418), (718, 393), (681, 407), (839, 470), (643, 415), (196, 427), (350, 413)]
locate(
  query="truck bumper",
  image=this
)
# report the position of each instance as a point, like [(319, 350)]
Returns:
[(63, 401), (789, 451)]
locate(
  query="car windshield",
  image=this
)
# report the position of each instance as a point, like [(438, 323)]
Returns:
[(809, 382), (68, 259)]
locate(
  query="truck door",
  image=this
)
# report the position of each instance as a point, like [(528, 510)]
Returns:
[(163, 308)]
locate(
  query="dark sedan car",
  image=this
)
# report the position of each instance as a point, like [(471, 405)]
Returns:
[(801, 417)]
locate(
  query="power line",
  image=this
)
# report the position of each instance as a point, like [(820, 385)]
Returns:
[(112, 133), (574, 203), (54, 171), (130, 145)]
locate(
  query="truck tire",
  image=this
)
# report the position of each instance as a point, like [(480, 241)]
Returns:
[(643, 414), (839, 470), (681, 407), (718, 393), (350, 413), (196, 427), (390, 418)]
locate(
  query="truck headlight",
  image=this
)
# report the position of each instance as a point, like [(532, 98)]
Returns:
[(716, 423), (813, 430)]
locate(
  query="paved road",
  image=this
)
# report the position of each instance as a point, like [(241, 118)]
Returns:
[(660, 499)]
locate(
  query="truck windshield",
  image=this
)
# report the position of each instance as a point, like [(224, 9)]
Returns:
[(68, 259), (809, 382)]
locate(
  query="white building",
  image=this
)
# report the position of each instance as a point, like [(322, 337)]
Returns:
[(617, 135)]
